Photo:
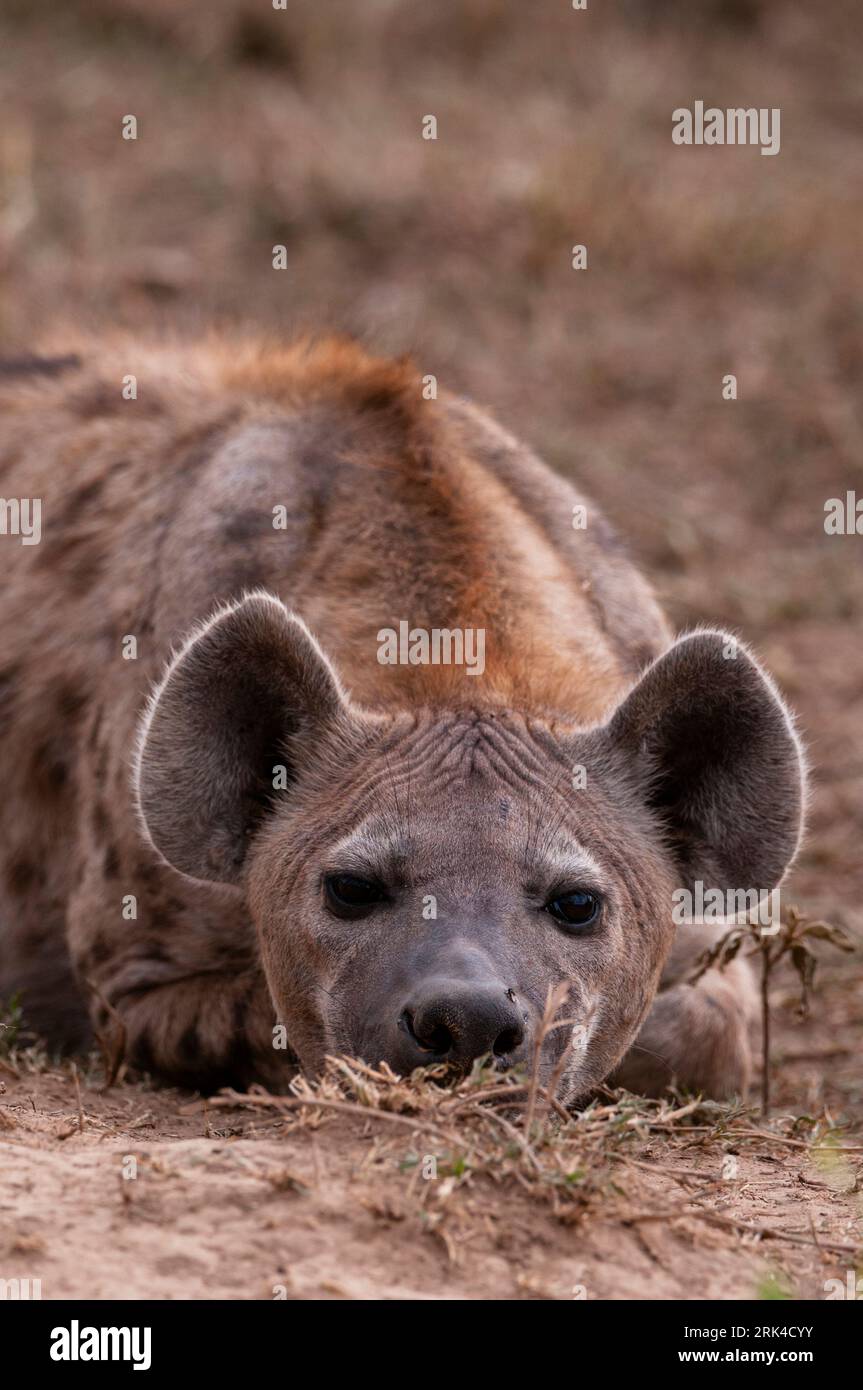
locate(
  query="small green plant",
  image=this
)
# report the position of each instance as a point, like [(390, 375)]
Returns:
[(11, 1017), (774, 1288), (792, 941)]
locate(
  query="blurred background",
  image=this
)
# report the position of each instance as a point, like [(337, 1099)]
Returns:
[(303, 127)]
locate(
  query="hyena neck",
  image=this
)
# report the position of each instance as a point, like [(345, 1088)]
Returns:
[(450, 570), (435, 558)]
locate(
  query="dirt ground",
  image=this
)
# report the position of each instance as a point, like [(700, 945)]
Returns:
[(244, 1202), (303, 128)]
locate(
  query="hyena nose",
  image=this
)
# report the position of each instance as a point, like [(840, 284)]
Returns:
[(456, 1022)]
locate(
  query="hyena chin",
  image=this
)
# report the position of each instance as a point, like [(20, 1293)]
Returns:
[(319, 851)]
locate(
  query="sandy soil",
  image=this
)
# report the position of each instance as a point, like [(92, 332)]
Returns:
[(233, 1204)]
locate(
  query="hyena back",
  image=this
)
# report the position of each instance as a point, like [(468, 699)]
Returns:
[(394, 859)]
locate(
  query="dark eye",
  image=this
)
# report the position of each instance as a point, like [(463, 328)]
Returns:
[(576, 909), (347, 895)]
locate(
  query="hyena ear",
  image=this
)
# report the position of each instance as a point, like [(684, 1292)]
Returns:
[(713, 751), (245, 693)]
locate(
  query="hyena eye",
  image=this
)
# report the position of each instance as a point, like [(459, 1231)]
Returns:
[(574, 910), (348, 895)]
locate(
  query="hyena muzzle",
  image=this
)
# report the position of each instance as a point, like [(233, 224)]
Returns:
[(329, 713)]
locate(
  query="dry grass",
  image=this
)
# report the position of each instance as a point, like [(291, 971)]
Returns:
[(379, 1185), (511, 1132)]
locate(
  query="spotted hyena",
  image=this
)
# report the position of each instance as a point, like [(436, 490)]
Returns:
[(329, 712)]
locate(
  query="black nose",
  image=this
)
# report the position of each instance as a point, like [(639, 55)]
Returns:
[(457, 1022)]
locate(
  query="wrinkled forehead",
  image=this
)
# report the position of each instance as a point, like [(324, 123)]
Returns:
[(476, 833)]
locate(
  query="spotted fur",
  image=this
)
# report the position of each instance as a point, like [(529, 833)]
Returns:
[(257, 647)]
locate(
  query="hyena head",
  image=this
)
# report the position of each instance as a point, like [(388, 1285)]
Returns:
[(419, 881)]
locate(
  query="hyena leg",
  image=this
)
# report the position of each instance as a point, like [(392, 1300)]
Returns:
[(696, 1036), (202, 1031), (189, 1006)]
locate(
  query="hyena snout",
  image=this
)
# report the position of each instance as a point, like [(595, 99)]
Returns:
[(457, 1021)]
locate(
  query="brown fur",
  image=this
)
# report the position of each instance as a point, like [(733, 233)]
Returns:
[(155, 512)]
